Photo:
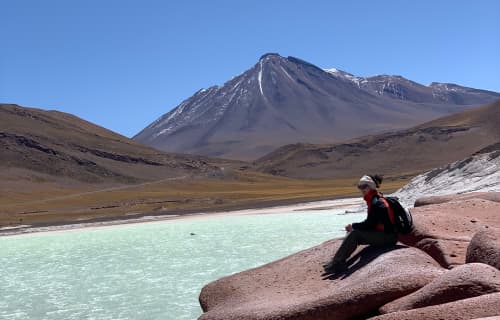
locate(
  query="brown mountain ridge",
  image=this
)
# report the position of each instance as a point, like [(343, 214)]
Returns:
[(56, 145), (405, 152)]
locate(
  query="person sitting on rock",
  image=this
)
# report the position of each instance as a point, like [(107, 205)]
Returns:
[(377, 229)]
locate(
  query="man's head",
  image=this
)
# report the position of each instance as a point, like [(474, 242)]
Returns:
[(368, 183)]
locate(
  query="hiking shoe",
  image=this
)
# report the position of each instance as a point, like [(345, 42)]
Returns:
[(339, 268), (335, 268), (328, 267)]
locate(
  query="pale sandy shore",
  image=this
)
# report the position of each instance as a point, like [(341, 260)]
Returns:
[(349, 205)]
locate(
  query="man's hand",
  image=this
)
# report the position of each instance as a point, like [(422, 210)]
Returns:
[(348, 228)]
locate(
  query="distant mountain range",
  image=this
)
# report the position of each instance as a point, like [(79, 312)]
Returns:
[(56, 167), (399, 153), (39, 145), (287, 100)]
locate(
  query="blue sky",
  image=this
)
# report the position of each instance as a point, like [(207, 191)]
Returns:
[(122, 64)]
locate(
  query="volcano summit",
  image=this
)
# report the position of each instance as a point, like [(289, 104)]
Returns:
[(287, 100)]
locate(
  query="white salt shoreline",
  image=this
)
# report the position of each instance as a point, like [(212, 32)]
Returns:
[(351, 205)]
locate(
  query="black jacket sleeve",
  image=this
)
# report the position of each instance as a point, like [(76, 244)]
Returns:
[(378, 214)]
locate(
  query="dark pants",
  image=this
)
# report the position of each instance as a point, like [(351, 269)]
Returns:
[(356, 237)]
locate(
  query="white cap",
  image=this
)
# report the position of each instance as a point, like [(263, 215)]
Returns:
[(368, 181)]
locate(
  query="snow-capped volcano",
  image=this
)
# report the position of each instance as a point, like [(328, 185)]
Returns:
[(287, 100)]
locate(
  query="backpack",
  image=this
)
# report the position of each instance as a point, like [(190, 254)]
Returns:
[(402, 217)]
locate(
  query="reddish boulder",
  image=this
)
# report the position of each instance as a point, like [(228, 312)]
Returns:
[(472, 308), (444, 230), (466, 281), (448, 253), (485, 247), (293, 287)]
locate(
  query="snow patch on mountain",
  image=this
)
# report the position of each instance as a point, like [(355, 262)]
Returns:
[(478, 173), (182, 114), (260, 78), (287, 74), (346, 76)]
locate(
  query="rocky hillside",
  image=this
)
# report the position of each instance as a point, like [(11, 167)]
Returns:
[(39, 145), (446, 269), (406, 152), (287, 100), (477, 173)]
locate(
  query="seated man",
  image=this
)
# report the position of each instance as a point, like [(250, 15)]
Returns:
[(378, 228)]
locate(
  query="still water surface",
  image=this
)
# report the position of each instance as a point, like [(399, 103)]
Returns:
[(150, 270)]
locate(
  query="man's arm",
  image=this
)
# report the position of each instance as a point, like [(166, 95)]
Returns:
[(377, 213)]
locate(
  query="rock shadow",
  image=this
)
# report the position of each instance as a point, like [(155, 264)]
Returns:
[(361, 259)]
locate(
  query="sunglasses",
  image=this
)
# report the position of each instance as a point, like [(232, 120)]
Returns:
[(363, 186)]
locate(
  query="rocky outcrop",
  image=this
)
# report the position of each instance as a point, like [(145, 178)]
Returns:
[(477, 173), (462, 282), (444, 230), (485, 247), (473, 308), (293, 288), (391, 280)]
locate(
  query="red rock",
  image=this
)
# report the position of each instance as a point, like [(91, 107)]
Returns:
[(485, 247), (444, 230), (471, 308), (462, 282), (447, 253), (292, 288)]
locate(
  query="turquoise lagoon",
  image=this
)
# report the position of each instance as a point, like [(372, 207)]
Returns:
[(149, 270)]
